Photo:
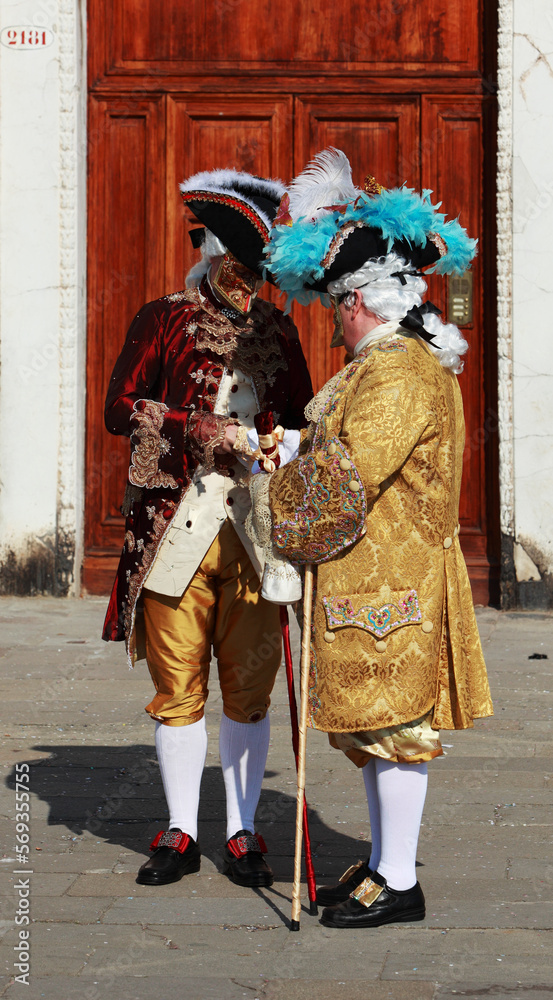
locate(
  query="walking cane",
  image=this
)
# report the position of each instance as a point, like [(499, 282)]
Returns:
[(309, 870), (304, 690)]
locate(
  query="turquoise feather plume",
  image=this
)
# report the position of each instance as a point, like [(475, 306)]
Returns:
[(295, 252)]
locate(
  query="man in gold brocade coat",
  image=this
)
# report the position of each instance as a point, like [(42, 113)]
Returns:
[(373, 501)]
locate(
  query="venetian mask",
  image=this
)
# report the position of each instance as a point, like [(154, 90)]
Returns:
[(236, 284)]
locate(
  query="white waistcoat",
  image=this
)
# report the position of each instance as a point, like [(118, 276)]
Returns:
[(210, 500)]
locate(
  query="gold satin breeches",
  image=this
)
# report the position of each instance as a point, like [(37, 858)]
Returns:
[(406, 743), (221, 610)]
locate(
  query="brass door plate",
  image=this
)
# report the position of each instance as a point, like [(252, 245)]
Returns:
[(459, 299)]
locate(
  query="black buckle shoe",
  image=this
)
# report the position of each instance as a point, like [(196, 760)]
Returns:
[(175, 854), (373, 903), (244, 861), (330, 895)]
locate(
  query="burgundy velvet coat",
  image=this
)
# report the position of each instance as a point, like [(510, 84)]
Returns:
[(168, 372)]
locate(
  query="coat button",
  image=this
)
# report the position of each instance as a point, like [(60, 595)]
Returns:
[(230, 501), (189, 524), (354, 486), (448, 542), (427, 626), (234, 388), (331, 450), (345, 464), (233, 413), (380, 646), (329, 636)]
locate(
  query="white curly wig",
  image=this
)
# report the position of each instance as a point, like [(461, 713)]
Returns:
[(390, 298)]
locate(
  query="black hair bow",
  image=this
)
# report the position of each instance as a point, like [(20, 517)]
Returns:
[(414, 320)]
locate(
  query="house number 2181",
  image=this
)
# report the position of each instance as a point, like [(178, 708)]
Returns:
[(26, 38)]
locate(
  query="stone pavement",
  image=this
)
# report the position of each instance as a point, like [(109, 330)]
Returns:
[(74, 713)]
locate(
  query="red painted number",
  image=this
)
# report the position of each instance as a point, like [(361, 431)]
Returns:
[(26, 38)]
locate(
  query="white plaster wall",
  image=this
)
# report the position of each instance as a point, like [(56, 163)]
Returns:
[(533, 279), (41, 284)]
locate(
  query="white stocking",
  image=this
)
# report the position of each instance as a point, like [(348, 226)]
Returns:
[(181, 752), (401, 794), (243, 749), (369, 777)]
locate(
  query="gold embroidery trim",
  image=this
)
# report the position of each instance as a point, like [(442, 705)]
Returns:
[(338, 242), (438, 242), (241, 444), (223, 199), (147, 448), (252, 347)]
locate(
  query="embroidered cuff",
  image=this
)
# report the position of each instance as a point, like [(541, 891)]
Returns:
[(318, 505), (204, 436), (149, 446), (242, 444)]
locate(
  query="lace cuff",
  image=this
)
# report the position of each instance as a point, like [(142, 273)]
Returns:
[(281, 580), (242, 444), (204, 436), (259, 522)]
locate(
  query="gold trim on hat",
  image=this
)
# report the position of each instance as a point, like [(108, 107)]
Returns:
[(338, 242)]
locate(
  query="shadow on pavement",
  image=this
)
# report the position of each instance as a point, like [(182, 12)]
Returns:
[(115, 793)]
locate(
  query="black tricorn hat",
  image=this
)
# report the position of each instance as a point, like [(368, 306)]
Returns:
[(362, 244), (238, 208), (326, 227)]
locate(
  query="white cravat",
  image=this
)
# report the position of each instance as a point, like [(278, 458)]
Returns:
[(383, 330)]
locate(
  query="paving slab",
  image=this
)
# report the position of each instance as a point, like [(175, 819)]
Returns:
[(495, 992), (133, 987), (348, 989)]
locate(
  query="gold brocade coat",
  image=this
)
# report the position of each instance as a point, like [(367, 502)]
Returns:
[(373, 499)]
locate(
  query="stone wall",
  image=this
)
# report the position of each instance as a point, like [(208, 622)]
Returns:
[(42, 319)]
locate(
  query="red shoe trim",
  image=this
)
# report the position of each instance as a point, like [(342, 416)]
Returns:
[(175, 839), (239, 846)]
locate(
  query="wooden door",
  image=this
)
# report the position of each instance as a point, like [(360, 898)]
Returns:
[(376, 134), (402, 88)]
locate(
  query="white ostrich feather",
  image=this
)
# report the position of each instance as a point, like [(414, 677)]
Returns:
[(325, 181)]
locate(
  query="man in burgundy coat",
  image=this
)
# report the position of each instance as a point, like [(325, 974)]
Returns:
[(196, 368)]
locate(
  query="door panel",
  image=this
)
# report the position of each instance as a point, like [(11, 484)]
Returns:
[(387, 36), (125, 269), (452, 166), (204, 133), (378, 136)]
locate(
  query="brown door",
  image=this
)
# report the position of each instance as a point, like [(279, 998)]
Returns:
[(175, 88)]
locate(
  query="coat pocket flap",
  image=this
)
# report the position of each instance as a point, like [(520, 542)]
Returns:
[(366, 611)]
